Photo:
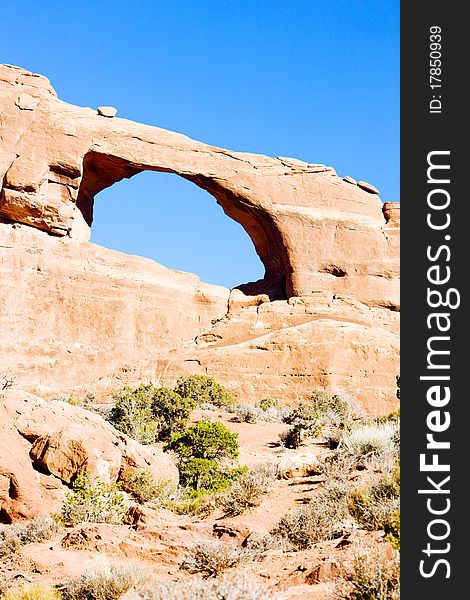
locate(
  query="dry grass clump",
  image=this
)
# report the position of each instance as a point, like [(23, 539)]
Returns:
[(213, 558), (32, 591), (246, 491), (12, 537), (373, 439), (196, 588), (318, 521), (106, 582), (372, 576)]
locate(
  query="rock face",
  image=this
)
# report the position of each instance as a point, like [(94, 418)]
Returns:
[(46, 444), (325, 314)]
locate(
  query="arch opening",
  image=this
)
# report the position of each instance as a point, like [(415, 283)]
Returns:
[(102, 171)]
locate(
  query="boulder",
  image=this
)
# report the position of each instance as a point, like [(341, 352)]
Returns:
[(47, 444)]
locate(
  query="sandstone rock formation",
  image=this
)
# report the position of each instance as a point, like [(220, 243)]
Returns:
[(46, 444), (325, 314)]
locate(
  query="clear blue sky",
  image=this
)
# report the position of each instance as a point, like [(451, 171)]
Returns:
[(316, 80)]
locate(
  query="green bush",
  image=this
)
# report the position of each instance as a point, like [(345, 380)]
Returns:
[(133, 414), (267, 403), (92, 501), (326, 404), (318, 521), (206, 474), (202, 389), (199, 448), (150, 414), (205, 440)]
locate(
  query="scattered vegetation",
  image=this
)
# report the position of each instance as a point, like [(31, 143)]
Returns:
[(142, 486), (213, 558), (246, 491), (107, 582), (373, 576), (92, 501), (32, 591), (266, 409), (202, 389), (376, 506), (150, 414), (12, 537), (370, 440), (326, 414), (196, 588), (318, 521)]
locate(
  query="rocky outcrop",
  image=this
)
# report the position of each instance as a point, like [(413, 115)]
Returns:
[(324, 315), (45, 445)]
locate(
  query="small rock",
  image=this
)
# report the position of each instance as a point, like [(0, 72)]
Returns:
[(26, 102), (107, 111), (368, 187), (348, 179)]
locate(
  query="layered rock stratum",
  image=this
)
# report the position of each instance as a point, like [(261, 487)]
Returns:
[(75, 314)]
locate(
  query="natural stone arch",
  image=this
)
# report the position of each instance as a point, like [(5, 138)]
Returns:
[(101, 171), (312, 230)]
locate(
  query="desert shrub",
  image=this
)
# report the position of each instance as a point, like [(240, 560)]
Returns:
[(373, 576), (376, 506), (212, 558), (148, 413), (188, 501), (246, 491), (206, 474), (293, 437), (205, 440), (330, 405), (32, 591), (12, 537), (202, 389), (199, 448), (141, 486), (133, 414), (268, 403), (370, 440), (171, 412), (107, 582), (391, 417), (196, 588), (9, 541), (247, 413), (92, 501), (317, 521)]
